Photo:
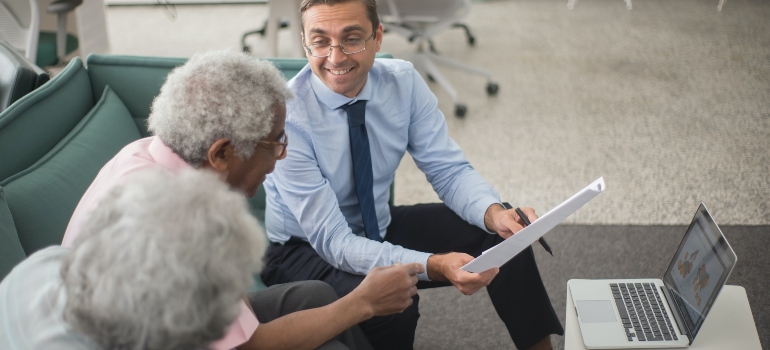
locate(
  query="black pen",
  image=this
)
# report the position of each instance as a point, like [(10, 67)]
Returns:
[(527, 223)]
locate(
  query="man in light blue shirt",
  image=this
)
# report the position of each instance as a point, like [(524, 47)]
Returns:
[(323, 226)]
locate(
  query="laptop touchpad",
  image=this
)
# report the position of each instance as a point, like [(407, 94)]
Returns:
[(595, 311)]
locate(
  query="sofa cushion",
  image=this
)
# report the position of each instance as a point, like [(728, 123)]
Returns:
[(137, 80), (33, 125), (43, 197), (11, 252)]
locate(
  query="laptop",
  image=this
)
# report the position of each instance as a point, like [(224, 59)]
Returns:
[(655, 313)]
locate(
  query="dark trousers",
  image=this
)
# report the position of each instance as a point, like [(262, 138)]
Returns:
[(283, 299), (517, 292)]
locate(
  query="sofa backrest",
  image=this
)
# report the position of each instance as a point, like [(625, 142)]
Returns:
[(136, 80), (34, 124), (42, 197), (53, 142)]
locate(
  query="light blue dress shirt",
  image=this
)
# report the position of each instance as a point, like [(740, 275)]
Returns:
[(311, 194)]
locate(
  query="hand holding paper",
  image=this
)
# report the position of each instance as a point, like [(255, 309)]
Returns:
[(506, 250)]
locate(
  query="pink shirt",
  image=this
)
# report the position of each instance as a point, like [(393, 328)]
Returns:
[(148, 153)]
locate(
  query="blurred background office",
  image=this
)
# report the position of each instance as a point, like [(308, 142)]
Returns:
[(669, 101)]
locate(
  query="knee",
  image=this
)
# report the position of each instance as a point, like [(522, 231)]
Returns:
[(315, 293), (405, 321)]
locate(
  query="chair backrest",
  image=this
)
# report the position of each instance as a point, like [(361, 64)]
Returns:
[(18, 76), (20, 26), (423, 18)]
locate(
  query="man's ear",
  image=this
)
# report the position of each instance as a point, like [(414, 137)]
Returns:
[(378, 36), (219, 154)]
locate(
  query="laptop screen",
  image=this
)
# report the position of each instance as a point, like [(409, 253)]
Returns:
[(699, 269)]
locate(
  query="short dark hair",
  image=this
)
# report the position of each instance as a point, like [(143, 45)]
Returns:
[(370, 5)]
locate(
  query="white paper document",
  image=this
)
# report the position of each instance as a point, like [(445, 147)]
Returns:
[(506, 250)]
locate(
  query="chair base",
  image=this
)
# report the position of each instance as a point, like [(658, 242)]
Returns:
[(426, 64)]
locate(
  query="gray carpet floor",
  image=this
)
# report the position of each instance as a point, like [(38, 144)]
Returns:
[(670, 103)]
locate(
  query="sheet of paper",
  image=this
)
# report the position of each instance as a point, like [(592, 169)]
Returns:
[(506, 250)]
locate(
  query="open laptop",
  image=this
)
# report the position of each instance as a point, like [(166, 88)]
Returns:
[(654, 313)]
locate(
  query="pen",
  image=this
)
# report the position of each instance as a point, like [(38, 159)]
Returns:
[(527, 223)]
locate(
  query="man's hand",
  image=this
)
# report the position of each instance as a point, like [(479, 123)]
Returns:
[(389, 289), (506, 222), (446, 267)]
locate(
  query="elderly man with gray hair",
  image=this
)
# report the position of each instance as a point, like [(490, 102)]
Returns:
[(225, 112), (160, 264)]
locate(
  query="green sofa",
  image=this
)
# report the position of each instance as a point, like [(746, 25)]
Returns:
[(55, 140)]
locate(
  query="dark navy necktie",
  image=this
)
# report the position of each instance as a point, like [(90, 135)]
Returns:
[(362, 167)]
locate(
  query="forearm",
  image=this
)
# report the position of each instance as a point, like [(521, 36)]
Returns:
[(308, 329), (359, 255)]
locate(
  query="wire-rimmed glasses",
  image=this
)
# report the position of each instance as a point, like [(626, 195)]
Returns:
[(348, 46)]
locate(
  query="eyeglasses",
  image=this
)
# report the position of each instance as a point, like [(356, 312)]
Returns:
[(279, 146), (348, 46)]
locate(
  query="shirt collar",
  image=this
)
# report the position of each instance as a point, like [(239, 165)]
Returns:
[(165, 156), (333, 100)]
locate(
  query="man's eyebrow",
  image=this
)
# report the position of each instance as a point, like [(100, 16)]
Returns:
[(348, 29), (353, 28)]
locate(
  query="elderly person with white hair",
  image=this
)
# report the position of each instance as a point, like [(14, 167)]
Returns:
[(160, 264), (225, 112)]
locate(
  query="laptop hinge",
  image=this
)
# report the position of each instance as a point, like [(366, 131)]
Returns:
[(676, 312)]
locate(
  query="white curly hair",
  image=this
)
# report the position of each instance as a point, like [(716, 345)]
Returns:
[(162, 263), (220, 94)]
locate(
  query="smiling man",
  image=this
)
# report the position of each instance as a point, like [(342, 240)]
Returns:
[(351, 121)]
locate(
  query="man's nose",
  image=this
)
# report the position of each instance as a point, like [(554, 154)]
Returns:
[(337, 56)]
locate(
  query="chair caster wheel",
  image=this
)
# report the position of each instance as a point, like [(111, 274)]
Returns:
[(430, 78), (492, 89), (472, 41), (246, 49), (460, 111)]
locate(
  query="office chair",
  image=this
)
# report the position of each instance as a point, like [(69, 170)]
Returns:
[(20, 27), (18, 76), (419, 22), (283, 14)]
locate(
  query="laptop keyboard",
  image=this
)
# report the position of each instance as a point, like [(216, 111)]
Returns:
[(642, 312)]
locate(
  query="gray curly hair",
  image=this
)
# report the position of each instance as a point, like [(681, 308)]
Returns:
[(220, 94), (162, 262)]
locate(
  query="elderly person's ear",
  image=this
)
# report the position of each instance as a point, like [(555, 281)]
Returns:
[(220, 153)]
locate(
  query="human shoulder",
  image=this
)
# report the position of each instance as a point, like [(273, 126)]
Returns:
[(392, 67), (300, 84), (45, 257)]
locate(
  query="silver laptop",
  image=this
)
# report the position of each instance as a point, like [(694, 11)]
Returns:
[(654, 313)]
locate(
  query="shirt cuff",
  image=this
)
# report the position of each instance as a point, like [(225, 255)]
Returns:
[(424, 276), (484, 204)]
